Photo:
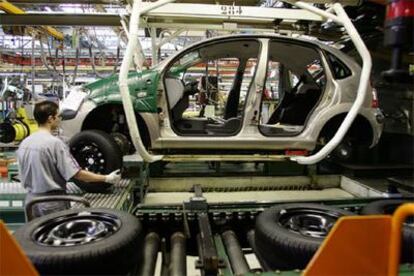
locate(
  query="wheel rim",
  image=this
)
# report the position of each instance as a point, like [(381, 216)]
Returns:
[(76, 229), (89, 156), (308, 222), (344, 150)]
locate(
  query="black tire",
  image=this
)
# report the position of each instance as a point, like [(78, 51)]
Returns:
[(387, 207), (115, 252), (285, 249), (87, 145)]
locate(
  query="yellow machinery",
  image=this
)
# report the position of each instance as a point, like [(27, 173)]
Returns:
[(12, 9), (17, 129)]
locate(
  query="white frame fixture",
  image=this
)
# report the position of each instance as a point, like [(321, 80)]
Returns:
[(335, 13)]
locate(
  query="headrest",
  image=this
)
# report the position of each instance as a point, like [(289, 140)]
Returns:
[(175, 90), (303, 88)]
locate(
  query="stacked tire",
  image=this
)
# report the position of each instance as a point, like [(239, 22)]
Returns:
[(92, 241), (288, 235)]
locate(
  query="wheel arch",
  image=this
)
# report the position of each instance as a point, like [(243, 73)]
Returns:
[(361, 129), (104, 117)]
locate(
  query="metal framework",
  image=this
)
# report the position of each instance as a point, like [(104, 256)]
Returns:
[(336, 13), (12, 9), (174, 15), (121, 2)]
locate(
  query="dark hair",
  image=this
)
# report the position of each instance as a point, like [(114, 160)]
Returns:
[(43, 110)]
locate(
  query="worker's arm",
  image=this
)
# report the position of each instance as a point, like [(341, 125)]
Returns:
[(87, 176)]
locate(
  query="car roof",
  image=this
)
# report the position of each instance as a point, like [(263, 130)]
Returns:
[(314, 42)]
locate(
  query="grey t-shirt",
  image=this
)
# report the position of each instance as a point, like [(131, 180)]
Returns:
[(45, 163)]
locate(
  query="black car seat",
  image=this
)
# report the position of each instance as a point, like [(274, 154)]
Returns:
[(287, 99), (232, 104), (295, 107)]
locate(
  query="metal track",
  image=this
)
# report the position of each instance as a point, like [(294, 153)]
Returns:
[(114, 200), (259, 188), (118, 198)]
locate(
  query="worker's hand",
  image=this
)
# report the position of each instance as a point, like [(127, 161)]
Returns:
[(114, 177)]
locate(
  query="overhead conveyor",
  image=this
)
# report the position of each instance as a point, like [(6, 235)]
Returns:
[(14, 10), (177, 16), (107, 2), (334, 13), (143, 13)]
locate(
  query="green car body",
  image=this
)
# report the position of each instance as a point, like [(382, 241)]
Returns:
[(142, 87)]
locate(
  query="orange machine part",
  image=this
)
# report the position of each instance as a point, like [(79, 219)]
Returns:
[(398, 219), (362, 245), (12, 259)]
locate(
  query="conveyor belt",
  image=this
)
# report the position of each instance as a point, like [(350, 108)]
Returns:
[(12, 194), (118, 198), (16, 188)]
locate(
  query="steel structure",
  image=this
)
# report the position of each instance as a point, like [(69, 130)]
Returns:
[(335, 13), (12, 9)]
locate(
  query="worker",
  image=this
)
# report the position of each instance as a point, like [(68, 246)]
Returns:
[(45, 163)]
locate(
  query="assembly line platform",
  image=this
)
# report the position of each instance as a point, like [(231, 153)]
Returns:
[(12, 196)]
